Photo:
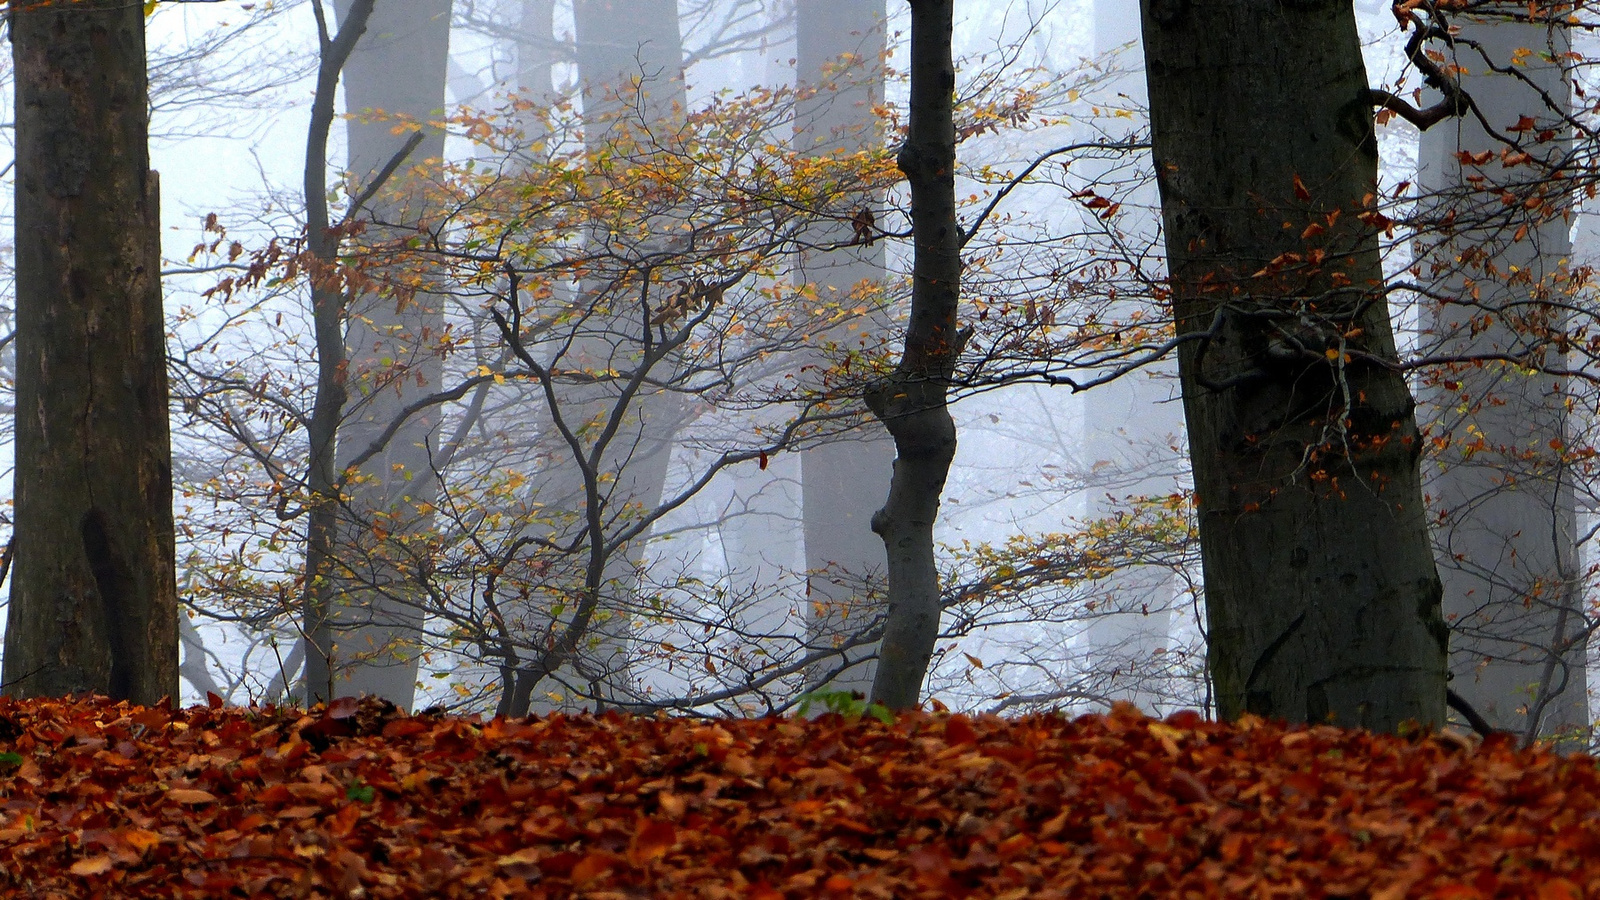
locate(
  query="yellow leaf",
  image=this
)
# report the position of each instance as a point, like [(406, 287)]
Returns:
[(976, 662), (139, 839), (150, 8), (94, 865), (1167, 735)]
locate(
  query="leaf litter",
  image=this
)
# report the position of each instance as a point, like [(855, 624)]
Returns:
[(358, 800)]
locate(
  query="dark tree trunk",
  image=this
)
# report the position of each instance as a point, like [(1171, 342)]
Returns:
[(327, 308), (912, 402), (1321, 590), (94, 600)]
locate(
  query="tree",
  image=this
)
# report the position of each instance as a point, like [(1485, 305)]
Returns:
[(1127, 430), (323, 480), (394, 79), (1321, 591), (94, 602), (839, 53), (913, 401), (1501, 486)]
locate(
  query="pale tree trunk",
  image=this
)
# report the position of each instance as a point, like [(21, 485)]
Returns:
[(913, 401), (327, 411), (395, 76), (630, 60), (94, 597), (840, 46), (1504, 498), (1321, 591), (1127, 424)]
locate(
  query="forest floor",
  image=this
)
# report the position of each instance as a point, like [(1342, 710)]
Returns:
[(107, 800)]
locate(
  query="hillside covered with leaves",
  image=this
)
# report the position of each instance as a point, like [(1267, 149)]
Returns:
[(112, 800)]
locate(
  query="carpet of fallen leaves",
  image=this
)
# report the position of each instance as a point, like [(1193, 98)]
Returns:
[(358, 800)]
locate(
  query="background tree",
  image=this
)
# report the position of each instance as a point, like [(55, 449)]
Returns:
[(840, 45), (1499, 480), (93, 604), (1321, 591), (1129, 425), (393, 81), (323, 481)]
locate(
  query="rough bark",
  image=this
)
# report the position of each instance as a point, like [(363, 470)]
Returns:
[(94, 598), (395, 74), (1504, 498), (1321, 590), (913, 401), (840, 45)]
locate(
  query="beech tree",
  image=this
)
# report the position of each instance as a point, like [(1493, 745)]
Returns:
[(913, 401), (1499, 478), (1321, 590), (393, 82), (93, 600), (839, 62)]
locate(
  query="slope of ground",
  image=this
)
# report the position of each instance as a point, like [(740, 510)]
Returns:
[(105, 800)]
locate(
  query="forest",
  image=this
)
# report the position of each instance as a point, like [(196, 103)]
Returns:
[(731, 357)]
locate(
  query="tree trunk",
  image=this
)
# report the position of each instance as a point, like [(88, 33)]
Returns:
[(1321, 590), (1504, 497), (94, 600), (912, 401), (1125, 422), (397, 70), (630, 60), (327, 310), (839, 53)]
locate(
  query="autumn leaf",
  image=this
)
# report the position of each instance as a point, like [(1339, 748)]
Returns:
[(925, 804), (652, 841), (94, 865)]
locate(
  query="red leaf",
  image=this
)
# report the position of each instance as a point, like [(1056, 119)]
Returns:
[(652, 841)]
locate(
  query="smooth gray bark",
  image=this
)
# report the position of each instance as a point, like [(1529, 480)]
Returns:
[(913, 401), (94, 598), (1505, 502), (840, 46), (1321, 590), (1127, 423), (619, 433), (395, 75)]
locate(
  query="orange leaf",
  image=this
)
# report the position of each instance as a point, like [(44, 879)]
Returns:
[(94, 865), (1558, 889), (593, 866), (653, 841)]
